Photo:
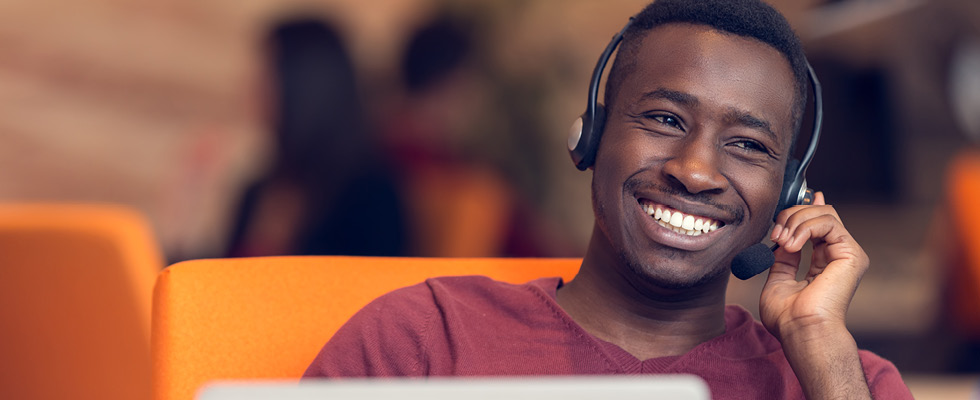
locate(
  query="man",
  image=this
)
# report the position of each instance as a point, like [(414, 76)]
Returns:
[(704, 100)]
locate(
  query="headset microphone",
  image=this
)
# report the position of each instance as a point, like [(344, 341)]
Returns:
[(583, 142), (753, 260)]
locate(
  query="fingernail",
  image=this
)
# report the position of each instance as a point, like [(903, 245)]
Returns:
[(776, 230)]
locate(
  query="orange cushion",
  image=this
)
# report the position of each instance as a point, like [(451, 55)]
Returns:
[(75, 289), (268, 317)]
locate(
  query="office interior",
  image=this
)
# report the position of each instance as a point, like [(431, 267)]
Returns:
[(166, 107)]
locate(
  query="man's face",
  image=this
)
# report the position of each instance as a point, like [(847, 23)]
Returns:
[(700, 129)]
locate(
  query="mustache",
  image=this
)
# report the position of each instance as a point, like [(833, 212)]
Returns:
[(634, 184)]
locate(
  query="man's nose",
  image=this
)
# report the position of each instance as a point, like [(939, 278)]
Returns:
[(694, 167)]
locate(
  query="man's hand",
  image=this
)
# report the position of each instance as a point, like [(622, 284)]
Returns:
[(808, 316), (836, 267)]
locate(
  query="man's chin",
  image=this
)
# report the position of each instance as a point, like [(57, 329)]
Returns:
[(668, 278)]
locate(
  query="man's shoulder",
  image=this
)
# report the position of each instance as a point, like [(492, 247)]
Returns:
[(883, 377), (395, 334), (470, 289), (875, 365), (743, 328), (482, 286), (439, 306), (747, 339)]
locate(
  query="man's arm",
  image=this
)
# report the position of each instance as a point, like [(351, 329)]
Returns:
[(808, 316)]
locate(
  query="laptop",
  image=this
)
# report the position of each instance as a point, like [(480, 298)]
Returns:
[(646, 387)]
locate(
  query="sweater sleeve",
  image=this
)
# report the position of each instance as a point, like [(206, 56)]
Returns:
[(385, 338), (883, 378)]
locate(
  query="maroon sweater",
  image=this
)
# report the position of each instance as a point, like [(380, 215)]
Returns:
[(474, 326)]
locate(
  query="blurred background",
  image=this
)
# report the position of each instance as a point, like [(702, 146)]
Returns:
[(437, 128)]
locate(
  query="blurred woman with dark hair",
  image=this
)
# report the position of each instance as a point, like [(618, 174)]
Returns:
[(328, 191)]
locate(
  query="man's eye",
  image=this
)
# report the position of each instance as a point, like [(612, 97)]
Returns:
[(749, 145), (667, 120)]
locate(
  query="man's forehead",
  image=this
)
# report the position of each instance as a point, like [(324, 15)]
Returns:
[(699, 64), (664, 35)]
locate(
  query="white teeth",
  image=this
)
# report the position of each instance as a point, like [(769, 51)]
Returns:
[(679, 222), (688, 223)]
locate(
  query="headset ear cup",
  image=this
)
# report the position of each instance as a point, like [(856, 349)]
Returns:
[(583, 138), (788, 195), (577, 142), (592, 147)]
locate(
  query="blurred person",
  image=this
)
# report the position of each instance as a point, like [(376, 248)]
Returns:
[(954, 236), (328, 191), (689, 159), (460, 203)]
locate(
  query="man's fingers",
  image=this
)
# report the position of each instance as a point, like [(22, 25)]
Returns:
[(818, 223), (831, 243), (818, 262), (790, 220), (818, 199), (820, 228), (785, 267)]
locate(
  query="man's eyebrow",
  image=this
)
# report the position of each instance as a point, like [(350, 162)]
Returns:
[(746, 119), (734, 116), (686, 99)]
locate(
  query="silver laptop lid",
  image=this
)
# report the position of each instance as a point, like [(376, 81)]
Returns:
[(646, 387)]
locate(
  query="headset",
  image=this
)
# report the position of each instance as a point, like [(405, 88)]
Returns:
[(583, 138)]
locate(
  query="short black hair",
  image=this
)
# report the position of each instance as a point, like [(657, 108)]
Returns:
[(749, 18)]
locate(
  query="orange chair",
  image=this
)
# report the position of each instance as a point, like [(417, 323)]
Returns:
[(75, 295), (268, 317)]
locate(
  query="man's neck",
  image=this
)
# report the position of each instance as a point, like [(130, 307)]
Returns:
[(646, 322)]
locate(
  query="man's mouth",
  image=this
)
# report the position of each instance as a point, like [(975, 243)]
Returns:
[(679, 222)]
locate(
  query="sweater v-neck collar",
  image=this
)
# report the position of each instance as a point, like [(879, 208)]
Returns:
[(738, 322)]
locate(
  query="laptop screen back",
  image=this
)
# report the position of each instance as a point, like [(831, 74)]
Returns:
[(679, 387)]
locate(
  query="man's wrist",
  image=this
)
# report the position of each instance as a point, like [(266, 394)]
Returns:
[(814, 329), (825, 358)]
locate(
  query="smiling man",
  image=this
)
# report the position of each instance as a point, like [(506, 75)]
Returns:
[(703, 104)]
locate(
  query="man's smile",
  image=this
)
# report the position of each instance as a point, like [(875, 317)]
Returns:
[(681, 225), (678, 221)]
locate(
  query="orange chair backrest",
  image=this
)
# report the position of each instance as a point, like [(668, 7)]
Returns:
[(963, 197), (268, 317), (75, 295)]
